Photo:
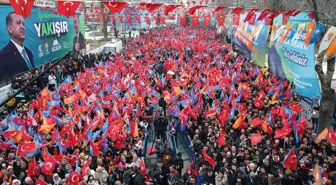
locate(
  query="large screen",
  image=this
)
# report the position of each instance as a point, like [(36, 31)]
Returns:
[(44, 36)]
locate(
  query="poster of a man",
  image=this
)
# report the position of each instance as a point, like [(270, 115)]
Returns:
[(78, 41), (15, 57)]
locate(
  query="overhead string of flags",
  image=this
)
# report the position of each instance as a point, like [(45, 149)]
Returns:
[(69, 9)]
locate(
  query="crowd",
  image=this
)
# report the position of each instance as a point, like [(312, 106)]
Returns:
[(242, 121)]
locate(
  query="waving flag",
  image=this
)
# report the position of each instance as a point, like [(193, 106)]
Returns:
[(40, 182), (322, 135), (25, 148), (317, 175), (255, 138), (290, 161), (296, 107), (73, 178), (331, 136), (257, 122), (46, 128), (94, 151), (208, 159)]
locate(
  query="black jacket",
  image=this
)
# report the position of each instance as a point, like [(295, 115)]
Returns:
[(12, 62), (137, 180)]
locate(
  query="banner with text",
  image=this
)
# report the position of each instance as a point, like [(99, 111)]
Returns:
[(291, 53), (44, 36), (252, 37)]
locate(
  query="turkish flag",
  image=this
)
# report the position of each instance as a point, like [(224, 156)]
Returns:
[(221, 19), (170, 8), (268, 19), (258, 104), (192, 10), (235, 19), (250, 13), (98, 18), (94, 150), (73, 178), (162, 20), (221, 140), (115, 7), (86, 168), (114, 20), (22, 7), (281, 133), (286, 16), (263, 14), (252, 19), (121, 19), (255, 138), (290, 160), (183, 20), (256, 122), (206, 20), (25, 148), (129, 19), (40, 182), (67, 8), (208, 159), (151, 7), (195, 21), (156, 19), (49, 164), (106, 18), (331, 136), (138, 18), (218, 8), (296, 107), (147, 19), (31, 171)]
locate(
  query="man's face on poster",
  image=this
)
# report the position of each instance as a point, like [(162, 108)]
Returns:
[(16, 28), (76, 24)]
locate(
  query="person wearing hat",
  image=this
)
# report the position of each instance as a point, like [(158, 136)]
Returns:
[(16, 182)]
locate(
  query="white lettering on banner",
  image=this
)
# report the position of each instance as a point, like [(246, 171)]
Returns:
[(298, 82), (45, 3), (56, 46), (45, 29), (295, 57)]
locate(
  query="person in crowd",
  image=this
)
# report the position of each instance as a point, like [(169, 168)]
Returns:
[(51, 81)]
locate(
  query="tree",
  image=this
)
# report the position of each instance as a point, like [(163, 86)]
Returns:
[(104, 25), (328, 101)]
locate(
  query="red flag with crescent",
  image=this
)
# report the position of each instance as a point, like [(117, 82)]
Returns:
[(106, 18), (218, 8), (31, 171), (195, 21), (22, 7), (162, 20), (129, 19), (114, 20), (73, 178), (67, 8), (40, 182), (331, 136), (290, 161), (206, 20), (115, 7), (183, 20), (138, 18), (170, 8), (151, 7), (263, 14), (221, 19), (255, 138), (208, 159), (121, 19), (147, 19), (25, 148)]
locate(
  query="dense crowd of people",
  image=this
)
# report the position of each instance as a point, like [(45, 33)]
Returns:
[(242, 122)]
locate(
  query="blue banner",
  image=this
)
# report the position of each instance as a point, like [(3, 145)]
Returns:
[(44, 37), (252, 38), (291, 55)]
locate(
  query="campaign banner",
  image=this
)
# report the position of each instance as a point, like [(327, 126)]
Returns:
[(291, 53), (252, 38), (44, 36)]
